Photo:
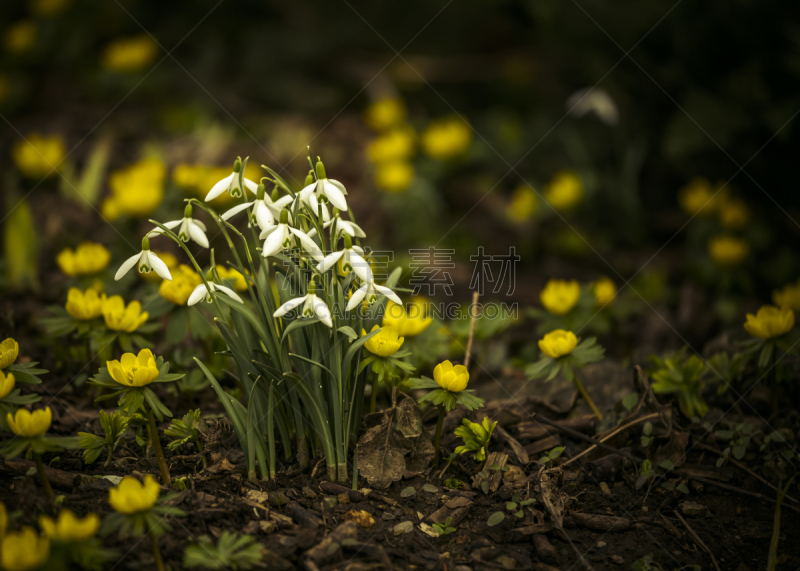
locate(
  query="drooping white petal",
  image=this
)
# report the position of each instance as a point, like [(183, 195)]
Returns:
[(360, 266), (236, 210), (127, 265), (329, 261), (220, 187), (356, 298), (198, 294), (338, 185), (288, 306), (200, 224), (388, 293), (264, 217), (308, 244), (352, 228), (275, 239), (251, 186), (308, 192), (334, 194), (227, 291), (197, 234), (158, 231), (321, 311), (159, 266)]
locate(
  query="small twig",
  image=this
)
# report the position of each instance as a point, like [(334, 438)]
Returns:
[(698, 540), (473, 318)]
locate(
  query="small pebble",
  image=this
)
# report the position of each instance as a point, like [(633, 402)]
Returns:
[(343, 498), (506, 561), (601, 544), (403, 527), (617, 559), (605, 489), (309, 493), (386, 516)]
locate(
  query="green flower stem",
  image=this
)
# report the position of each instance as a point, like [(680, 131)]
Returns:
[(156, 443), (202, 453), (43, 477), (108, 459), (156, 552), (437, 437), (587, 398)]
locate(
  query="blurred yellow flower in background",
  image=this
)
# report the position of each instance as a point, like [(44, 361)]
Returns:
[(134, 370), (524, 204), (169, 259), (131, 497), (385, 113), (20, 36), (394, 176), (68, 528), (39, 157), (558, 343), (121, 318), (30, 424), (445, 139), (733, 214), (84, 305), (392, 145), (788, 296), (48, 8), (769, 322), (87, 259), (699, 197), (409, 322), (727, 250), (451, 378), (184, 280), (136, 190), (232, 275), (9, 351), (385, 343), (605, 291), (23, 550), (129, 55), (7, 383), (564, 191), (560, 296)]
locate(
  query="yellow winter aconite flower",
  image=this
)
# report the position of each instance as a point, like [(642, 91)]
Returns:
[(564, 191), (121, 318), (23, 550), (6, 384), (68, 527), (184, 280), (134, 370), (136, 190), (9, 350), (87, 259), (234, 276), (129, 55), (605, 291), (524, 203), (451, 378), (560, 296), (394, 176), (391, 146), (131, 497), (385, 343), (20, 37), (38, 157), (789, 296), (769, 322), (699, 197), (727, 250), (447, 138), (49, 8), (30, 424), (558, 343), (733, 214), (409, 322), (385, 113), (84, 305), (169, 259)]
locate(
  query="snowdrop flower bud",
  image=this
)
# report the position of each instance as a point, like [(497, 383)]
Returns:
[(320, 169), (260, 191), (309, 178), (276, 194), (237, 165), (284, 216)]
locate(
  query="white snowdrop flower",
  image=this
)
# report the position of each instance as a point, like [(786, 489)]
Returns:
[(189, 228), (148, 262), (201, 292), (596, 101), (230, 184), (281, 237), (261, 215), (370, 290), (313, 306), (342, 227), (324, 190), (352, 260)]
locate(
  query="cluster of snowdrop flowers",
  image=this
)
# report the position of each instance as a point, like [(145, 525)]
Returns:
[(279, 222)]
